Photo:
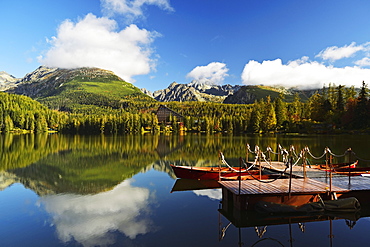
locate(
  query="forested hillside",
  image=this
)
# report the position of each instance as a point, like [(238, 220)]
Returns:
[(86, 103), (78, 90), (22, 113)]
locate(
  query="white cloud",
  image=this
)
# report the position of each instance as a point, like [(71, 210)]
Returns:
[(213, 73), (301, 73), (334, 53), (95, 42), (131, 8), (90, 219), (363, 62)]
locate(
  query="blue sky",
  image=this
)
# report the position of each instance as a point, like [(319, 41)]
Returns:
[(152, 43)]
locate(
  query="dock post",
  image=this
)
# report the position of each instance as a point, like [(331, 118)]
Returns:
[(331, 183), (259, 163), (349, 151), (220, 154), (290, 175), (269, 155), (304, 162), (326, 162), (240, 174), (246, 152), (330, 168)]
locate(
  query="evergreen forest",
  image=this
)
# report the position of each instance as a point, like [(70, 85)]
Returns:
[(331, 109)]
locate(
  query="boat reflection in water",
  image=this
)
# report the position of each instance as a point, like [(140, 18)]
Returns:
[(184, 184)]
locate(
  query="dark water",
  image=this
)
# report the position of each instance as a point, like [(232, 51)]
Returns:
[(58, 190)]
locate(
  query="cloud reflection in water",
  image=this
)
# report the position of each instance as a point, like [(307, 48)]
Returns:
[(91, 219), (214, 194)]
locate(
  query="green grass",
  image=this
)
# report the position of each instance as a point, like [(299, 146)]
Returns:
[(112, 88), (81, 95), (261, 92)]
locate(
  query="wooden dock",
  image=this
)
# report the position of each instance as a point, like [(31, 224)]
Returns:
[(244, 194), (279, 187)]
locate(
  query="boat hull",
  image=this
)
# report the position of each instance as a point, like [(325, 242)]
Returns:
[(325, 167), (358, 171), (209, 173)]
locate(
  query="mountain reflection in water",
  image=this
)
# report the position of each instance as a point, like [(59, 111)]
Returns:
[(60, 190)]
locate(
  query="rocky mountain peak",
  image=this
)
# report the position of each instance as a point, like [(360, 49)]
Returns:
[(194, 91), (45, 79), (173, 85), (40, 73), (7, 81), (5, 77)]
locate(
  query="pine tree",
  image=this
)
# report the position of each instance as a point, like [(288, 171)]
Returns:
[(8, 124), (315, 103), (268, 117), (256, 117), (295, 109), (280, 110), (340, 100), (41, 124), (361, 118)]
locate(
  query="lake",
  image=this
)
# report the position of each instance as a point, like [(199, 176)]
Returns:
[(61, 190)]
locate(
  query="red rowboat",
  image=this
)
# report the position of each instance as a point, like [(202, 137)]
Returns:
[(335, 166), (358, 171), (214, 173), (255, 176)]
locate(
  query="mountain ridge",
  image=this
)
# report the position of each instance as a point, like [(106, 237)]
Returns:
[(7, 81), (193, 92), (74, 89), (46, 82), (228, 94)]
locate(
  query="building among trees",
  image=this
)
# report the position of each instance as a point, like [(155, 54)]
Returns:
[(164, 114)]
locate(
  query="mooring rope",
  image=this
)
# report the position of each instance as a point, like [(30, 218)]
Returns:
[(292, 149), (264, 239), (249, 149), (260, 231), (269, 181), (223, 231), (336, 155), (362, 159), (269, 149), (316, 158), (222, 157)]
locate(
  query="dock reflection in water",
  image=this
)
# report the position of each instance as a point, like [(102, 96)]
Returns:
[(261, 222)]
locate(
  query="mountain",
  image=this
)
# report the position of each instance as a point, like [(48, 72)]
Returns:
[(7, 81), (72, 89), (249, 94), (227, 94), (194, 91), (67, 89)]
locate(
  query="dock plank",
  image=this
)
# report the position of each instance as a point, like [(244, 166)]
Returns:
[(349, 183), (280, 186)]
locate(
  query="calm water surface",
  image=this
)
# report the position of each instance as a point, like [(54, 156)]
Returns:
[(58, 190)]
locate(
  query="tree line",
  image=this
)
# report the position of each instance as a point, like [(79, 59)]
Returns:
[(331, 108)]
